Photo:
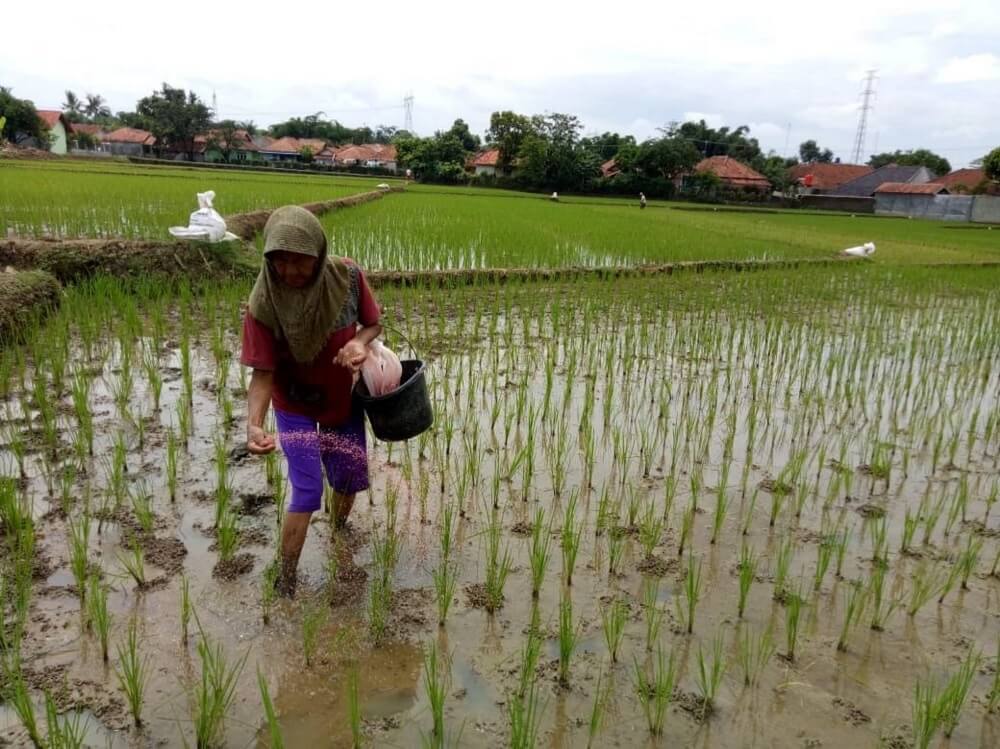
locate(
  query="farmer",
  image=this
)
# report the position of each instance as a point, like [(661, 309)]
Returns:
[(305, 334), (642, 200)]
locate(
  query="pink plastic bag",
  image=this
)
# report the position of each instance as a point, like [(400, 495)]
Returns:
[(381, 371)]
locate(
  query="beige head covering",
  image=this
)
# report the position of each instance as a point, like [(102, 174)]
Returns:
[(304, 317)]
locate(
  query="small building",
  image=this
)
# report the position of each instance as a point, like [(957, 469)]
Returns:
[(130, 141), (816, 177), (484, 163), (93, 140), (291, 149), (217, 146), (58, 128), (370, 155), (866, 185), (734, 174)]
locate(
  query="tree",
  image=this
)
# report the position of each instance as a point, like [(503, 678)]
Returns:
[(460, 130), (552, 157), (307, 155), (811, 153), (507, 132), (991, 164), (667, 157), (175, 117), (72, 107), (440, 158), (717, 142), (607, 145), (21, 118), (96, 107), (920, 157), (225, 137)]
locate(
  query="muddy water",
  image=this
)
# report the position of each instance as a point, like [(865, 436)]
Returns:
[(823, 697)]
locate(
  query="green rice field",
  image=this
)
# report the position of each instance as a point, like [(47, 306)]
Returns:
[(717, 509)]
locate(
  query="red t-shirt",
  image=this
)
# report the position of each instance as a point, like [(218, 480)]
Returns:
[(321, 389)]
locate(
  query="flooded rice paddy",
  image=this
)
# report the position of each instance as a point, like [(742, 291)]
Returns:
[(710, 510)]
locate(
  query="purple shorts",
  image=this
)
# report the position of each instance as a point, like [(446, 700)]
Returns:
[(309, 448)]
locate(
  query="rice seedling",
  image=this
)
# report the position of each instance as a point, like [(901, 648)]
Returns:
[(69, 732), (993, 696), (651, 529), (613, 618), (214, 692), (268, 590), (687, 528), (932, 517), (969, 558), (880, 542), (540, 540), (16, 695), (793, 609), (926, 712), (656, 689), (354, 706), (782, 564), (132, 671), (135, 564), (436, 682), (498, 564), (227, 534), (691, 590), (990, 500), (748, 514), (926, 584), (273, 728), (530, 653), (79, 543), (855, 602), (616, 550), (911, 522), (601, 695), (524, 716), (569, 637), (570, 536), (882, 608), (142, 506), (753, 653), (186, 607), (711, 670), (314, 617), (653, 613), (954, 573), (171, 464), (98, 616), (747, 571), (824, 552), (842, 539), (956, 692)]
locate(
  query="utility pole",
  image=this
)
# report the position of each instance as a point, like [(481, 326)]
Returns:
[(867, 95)]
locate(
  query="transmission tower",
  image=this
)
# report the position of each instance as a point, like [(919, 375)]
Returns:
[(867, 94), (408, 110)]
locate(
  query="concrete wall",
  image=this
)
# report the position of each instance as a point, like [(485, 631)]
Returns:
[(838, 203), (937, 207), (986, 209)]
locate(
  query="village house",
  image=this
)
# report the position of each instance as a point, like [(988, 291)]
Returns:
[(92, 141), (291, 149), (817, 177), (214, 146), (867, 185), (130, 141), (967, 181), (58, 128), (733, 174), (371, 155)]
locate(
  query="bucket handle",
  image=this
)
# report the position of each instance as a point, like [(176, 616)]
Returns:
[(397, 331)]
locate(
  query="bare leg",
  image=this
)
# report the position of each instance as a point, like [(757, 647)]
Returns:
[(293, 537), (342, 504)]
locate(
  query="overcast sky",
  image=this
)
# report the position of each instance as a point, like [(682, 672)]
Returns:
[(789, 69)]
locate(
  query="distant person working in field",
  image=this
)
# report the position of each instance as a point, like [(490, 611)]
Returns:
[(306, 335), (642, 200)]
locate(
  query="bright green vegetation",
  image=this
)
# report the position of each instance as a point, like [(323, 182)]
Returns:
[(114, 199), (424, 229)]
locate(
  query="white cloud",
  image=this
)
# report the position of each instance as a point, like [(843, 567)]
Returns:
[(712, 119), (974, 68)]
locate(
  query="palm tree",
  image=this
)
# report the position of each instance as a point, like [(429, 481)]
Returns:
[(96, 106), (72, 105)]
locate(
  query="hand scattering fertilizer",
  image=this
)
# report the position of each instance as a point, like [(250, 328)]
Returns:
[(394, 394)]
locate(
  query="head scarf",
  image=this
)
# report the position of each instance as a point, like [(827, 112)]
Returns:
[(304, 317)]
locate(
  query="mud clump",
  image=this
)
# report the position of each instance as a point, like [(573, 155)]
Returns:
[(521, 528), (870, 511), (252, 503), (23, 297), (657, 565), (475, 596), (851, 712), (166, 553), (236, 567)]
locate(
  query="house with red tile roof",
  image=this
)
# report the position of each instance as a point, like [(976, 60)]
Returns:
[(214, 145), (909, 188), (733, 174), (484, 163), (58, 128), (968, 180), (372, 155), (290, 149), (130, 141), (822, 177)]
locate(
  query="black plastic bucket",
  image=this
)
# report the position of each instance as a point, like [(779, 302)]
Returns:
[(406, 411)]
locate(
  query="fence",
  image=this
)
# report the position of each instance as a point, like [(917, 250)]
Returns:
[(980, 209)]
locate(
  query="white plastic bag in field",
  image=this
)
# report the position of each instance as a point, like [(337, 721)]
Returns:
[(868, 248), (381, 370), (205, 223)]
